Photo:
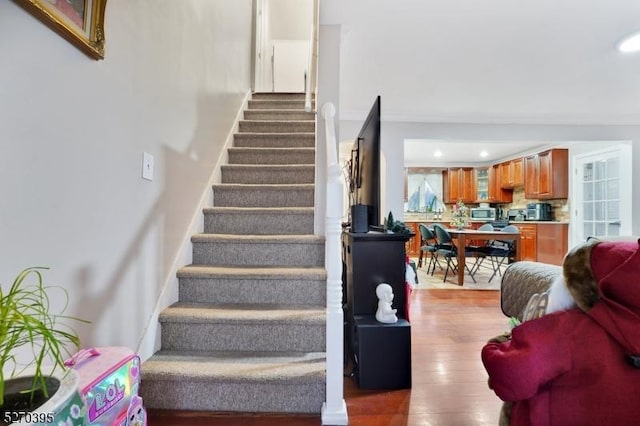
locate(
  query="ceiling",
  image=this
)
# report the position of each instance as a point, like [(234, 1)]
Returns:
[(487, 61), (423, 151)]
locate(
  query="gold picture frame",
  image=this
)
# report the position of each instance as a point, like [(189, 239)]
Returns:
[(81, 22)]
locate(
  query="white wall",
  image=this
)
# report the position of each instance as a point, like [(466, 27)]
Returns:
[(290, 19), (72, 135)]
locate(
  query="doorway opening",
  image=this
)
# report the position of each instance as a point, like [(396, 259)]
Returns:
[(283, 34)]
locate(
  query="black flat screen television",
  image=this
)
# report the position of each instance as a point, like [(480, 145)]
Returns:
[(365, 166)]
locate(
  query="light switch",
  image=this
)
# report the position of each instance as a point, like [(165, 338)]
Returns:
[(147, 166)]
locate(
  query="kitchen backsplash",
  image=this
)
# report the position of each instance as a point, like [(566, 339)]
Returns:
[(561, 211)]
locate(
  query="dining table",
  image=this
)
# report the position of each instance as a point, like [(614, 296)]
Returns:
[(463, 236)]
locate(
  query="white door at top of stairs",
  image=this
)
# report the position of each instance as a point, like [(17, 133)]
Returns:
[(283, 34)]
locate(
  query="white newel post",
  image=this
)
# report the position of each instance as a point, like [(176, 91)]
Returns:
[(334, 409)]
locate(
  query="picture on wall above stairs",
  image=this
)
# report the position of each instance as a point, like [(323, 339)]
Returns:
[(248, 331)]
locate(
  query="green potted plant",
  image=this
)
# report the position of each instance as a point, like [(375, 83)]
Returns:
[(396, 226), (35, 386), (460, 216)]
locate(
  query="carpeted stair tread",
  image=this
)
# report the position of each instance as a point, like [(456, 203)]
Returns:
[(255, 382), (268, 174), (267, 187), (264, 195), (252, 239), (282, 111), (277, 126), (272, 168), (278, 95), (262, 150), (260, 210), (272, 156), (283, 149), (274, 140), (278, 114), (288, 367), (295, 286), (272, 195), (241, 314), (258, 250), (205, 271), (284, 123), (258, 220), (297, 104)]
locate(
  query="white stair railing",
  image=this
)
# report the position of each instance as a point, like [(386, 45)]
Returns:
[(334, 409)]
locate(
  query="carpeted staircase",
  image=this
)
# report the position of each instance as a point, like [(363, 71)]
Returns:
[(248, 331)]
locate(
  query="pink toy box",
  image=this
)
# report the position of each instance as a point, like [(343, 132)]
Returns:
[(109, 383)]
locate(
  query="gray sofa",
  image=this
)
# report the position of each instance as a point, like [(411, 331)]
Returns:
[(521, 280)]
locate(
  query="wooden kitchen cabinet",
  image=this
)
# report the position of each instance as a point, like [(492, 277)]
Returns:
[(482, 185), (412, 245), (546, 175), (450, 186), (468, 181), (498, 194), (512, 173), (554, 174), (459, 184), (517, 167), (552, 242), (544, 242), (528, 241)]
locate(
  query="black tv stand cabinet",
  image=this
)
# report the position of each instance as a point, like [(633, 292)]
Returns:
[(380, 354)]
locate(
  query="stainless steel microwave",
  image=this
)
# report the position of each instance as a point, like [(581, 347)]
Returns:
[(483, 213)]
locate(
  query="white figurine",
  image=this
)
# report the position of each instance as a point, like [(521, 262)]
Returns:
[(385, 313)]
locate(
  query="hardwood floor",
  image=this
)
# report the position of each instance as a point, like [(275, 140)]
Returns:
[(449, 384)]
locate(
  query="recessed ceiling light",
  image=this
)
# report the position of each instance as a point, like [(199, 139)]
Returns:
[(630, 44), (437, 153), (484, 154)]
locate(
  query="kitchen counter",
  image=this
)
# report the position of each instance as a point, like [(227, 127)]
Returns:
[(417, 218), (537, 222)]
